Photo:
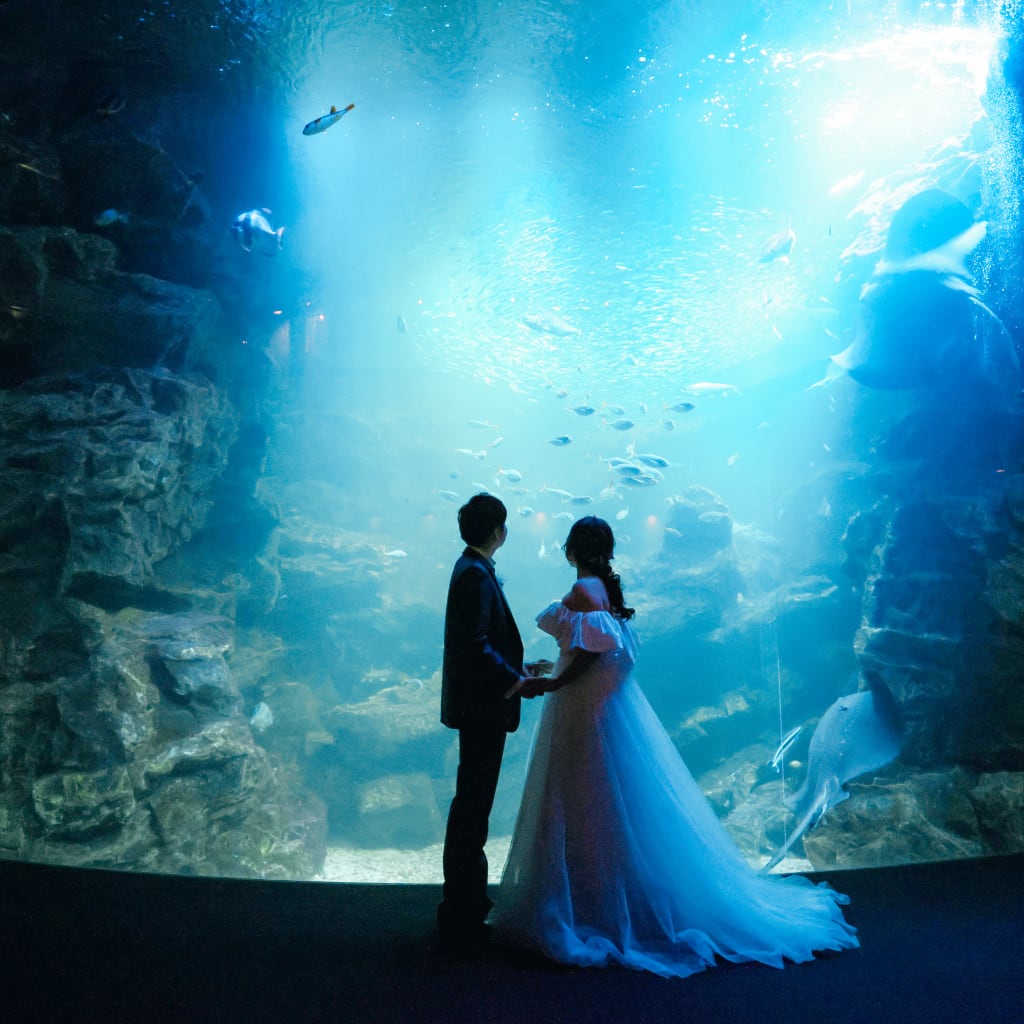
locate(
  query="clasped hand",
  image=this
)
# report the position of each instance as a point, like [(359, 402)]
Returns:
[(534, 686)]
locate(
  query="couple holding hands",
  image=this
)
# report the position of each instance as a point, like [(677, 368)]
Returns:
[(616, 856)]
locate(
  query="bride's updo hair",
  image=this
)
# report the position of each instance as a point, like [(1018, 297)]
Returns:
[(591, 544)]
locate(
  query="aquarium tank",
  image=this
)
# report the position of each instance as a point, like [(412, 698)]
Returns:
[(283, 284)]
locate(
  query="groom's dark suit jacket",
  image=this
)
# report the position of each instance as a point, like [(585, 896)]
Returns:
[(483, 652)]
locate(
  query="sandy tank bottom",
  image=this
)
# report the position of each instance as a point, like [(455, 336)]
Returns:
[(404, 867)]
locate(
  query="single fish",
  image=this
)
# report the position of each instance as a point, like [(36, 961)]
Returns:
[(787, 741), (581, 499), (563, 515), (400, 325), (557, 492), (650, 459), (525, 511), (256, 234), (779, 246), (623, 424), (108, 217), (550, 323), (262, 717), (584, 410), (859, 733), (482, 425), (711, 387), (621, 514), (682, 407), (561, 440), (916, 321), (325, 121), (513, 476)]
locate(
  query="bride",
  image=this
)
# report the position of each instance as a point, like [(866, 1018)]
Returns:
[(617, 857)]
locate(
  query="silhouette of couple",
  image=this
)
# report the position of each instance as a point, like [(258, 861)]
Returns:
[(616, 856)]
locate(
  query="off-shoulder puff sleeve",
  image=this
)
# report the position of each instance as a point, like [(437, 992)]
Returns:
[(597, 631)]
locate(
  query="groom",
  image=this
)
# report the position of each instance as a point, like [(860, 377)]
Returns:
[(483, 660)]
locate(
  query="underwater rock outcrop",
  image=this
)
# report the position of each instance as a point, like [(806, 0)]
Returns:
[(124, 742)]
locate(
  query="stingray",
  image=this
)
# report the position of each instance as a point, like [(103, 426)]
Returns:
[(859, 733), (916, 324)]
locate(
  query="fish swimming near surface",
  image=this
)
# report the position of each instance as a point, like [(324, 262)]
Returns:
[(711, 387), (779, 246), (859, 733), (550, 323), (325, 121), (255, 233), (916, 322)]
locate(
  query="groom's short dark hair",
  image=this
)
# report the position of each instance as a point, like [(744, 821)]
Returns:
[(480, 517)]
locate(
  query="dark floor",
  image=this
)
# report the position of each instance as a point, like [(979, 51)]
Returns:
[(941, 943)]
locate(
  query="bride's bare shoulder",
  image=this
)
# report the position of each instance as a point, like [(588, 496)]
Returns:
[(587, 595)]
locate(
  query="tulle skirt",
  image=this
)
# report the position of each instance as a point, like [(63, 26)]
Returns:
[(618, 858)]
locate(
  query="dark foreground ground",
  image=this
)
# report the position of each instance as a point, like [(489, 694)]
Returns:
[(941, 943)]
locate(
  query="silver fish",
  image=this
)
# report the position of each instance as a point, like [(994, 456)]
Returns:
[(787, 741), (325, 121), (256, 234)]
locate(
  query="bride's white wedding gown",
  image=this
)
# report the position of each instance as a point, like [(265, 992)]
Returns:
[(617, 857)]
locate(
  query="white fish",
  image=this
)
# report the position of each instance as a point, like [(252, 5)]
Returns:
[(710, 387), (622, 513), (558, 492), (779, 246), (563, 515), (550, 323), (262, 717), (483, 425), (396, 553), (256, 234), (449, 495), (787, 741), (543, 552), (526, 511), (513, 476)]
